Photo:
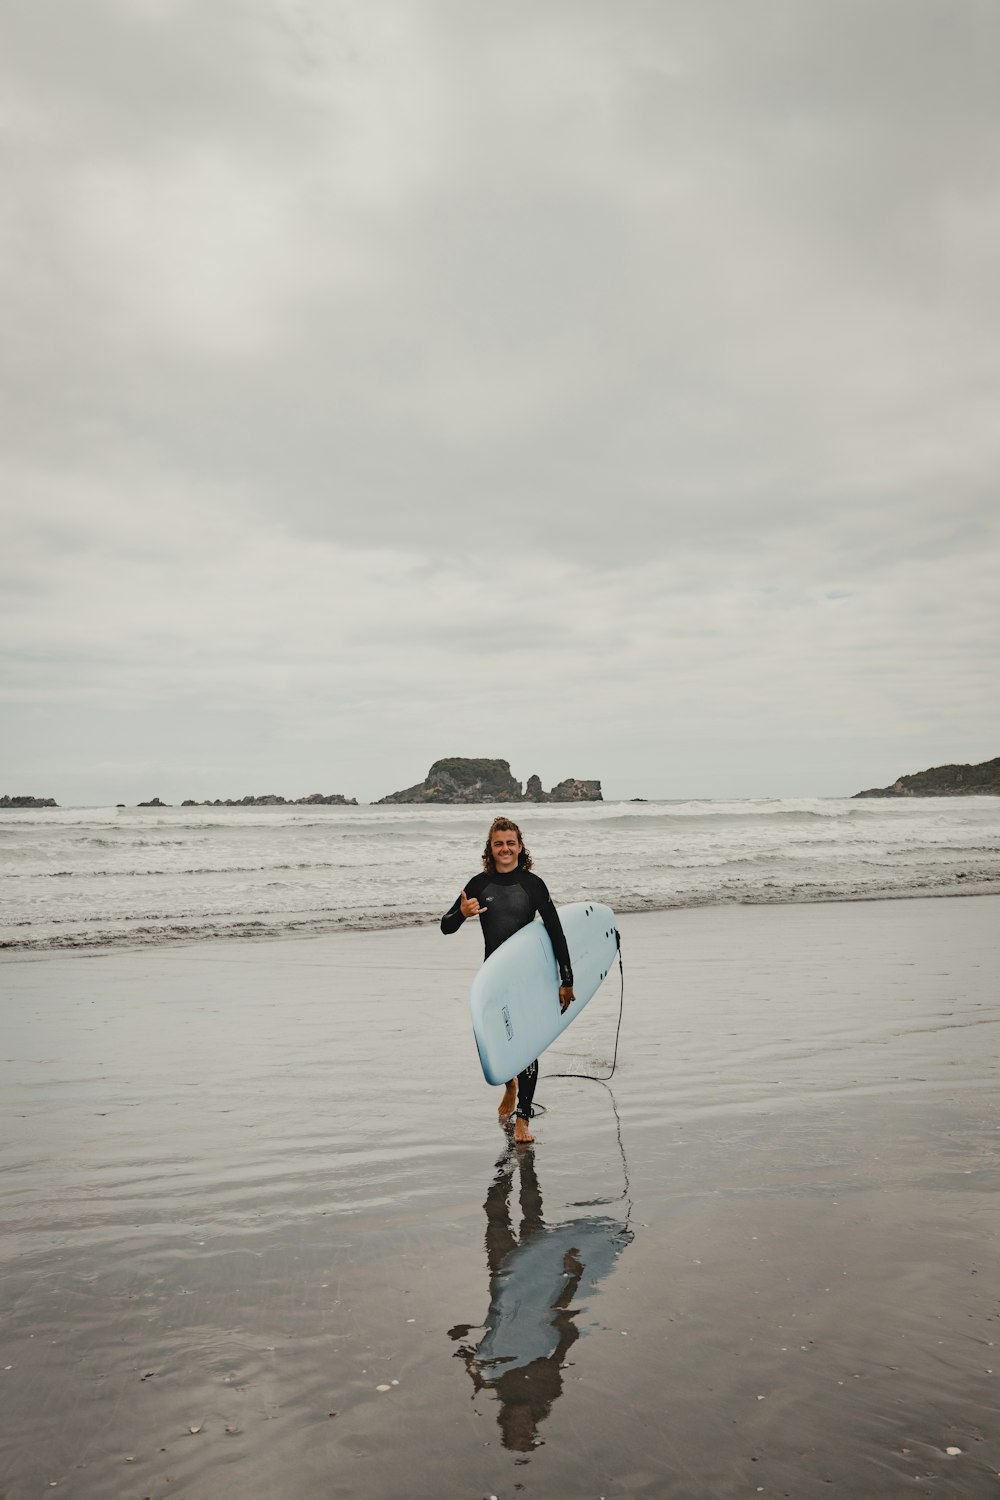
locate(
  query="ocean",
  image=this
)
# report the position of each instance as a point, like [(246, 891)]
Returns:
[(100, 877)]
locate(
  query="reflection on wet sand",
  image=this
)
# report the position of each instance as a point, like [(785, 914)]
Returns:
[(540, 1278)]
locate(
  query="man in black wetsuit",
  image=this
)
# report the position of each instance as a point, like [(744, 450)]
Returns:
[(505, 898)]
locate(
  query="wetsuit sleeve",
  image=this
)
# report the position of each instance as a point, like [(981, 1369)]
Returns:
[(453, 919), (553, 926)]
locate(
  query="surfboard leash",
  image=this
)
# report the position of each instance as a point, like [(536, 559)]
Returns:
[(592, 1077)]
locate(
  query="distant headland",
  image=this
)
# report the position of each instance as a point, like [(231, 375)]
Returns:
[(461, 780), (270, 799), (982, 780)]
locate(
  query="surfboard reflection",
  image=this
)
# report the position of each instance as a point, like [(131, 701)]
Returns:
[(540, 1278)]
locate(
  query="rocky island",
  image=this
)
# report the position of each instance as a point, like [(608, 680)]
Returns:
[(6, 801), (461, 780), (982, 780)]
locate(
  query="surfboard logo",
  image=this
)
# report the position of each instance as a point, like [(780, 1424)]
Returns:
[(507, 1022)]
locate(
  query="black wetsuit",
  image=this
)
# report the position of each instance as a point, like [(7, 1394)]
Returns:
[(510, 902)]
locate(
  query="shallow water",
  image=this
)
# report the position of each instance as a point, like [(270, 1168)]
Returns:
[(243, 1186)]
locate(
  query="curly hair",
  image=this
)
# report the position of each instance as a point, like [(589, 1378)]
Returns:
[(504, 825)]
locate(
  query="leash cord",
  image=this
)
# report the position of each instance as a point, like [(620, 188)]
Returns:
[(592, 1077)]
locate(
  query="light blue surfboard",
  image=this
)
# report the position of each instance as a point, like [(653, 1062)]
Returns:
[(515, 995)]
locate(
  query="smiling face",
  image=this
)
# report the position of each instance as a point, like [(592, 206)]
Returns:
[(505, 846)]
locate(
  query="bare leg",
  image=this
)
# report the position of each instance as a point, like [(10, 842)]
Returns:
[(508, 1103), (522, 1135)]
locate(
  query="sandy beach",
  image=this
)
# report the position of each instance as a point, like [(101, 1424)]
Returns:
[(264, 1237)]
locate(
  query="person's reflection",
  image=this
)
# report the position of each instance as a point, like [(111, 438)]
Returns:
[(536, 1275)]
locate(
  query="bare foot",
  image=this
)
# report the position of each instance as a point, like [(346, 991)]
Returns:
[(522, 1135), (508, 1103)]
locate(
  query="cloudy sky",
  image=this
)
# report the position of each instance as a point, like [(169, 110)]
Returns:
[(611, 387)]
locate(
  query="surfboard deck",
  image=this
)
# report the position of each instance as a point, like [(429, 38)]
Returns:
[(515, 995)]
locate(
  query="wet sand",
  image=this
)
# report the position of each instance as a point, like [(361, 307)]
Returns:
[(245, 1185)]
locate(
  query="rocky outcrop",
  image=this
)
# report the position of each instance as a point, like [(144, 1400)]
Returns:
[(155, 802), (271, 799), (461, 780), (330, 799), (982, 780), (572, 790), (28, 802)]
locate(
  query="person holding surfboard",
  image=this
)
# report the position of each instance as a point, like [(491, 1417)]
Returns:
[(506, 896)]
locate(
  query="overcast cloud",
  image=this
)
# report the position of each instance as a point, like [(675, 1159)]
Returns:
[(608, 387)]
